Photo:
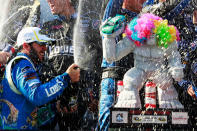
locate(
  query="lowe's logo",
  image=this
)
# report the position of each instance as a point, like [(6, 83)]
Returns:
[(54, 89)]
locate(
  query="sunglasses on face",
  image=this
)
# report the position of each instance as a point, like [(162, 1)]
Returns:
[(40, 43)]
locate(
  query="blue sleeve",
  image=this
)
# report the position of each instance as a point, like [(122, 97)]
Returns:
[(194, 76), (177, 10), (195, 90), (184, 84), (113, 7), (28, 83), (148, 2)]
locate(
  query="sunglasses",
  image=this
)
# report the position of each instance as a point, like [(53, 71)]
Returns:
[(40, 43)]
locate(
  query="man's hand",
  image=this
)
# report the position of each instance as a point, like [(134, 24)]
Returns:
[(191, 92), (4, 57), (74, 73)]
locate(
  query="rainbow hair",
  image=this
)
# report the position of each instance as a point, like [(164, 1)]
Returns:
[(141, 28)]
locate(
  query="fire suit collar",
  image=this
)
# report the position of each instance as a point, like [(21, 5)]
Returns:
[(23, 54)]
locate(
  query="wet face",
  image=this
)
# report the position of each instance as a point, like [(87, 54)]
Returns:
[(38, 51), (57, 6)]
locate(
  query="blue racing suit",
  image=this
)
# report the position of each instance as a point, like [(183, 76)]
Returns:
[(107, 84), (20, 97)]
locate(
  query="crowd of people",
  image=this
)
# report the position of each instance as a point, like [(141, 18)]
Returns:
[(61, 73)]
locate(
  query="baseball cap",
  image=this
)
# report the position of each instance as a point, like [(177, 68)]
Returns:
[(32, 34)]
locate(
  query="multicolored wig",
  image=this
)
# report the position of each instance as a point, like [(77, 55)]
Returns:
[(141, 28)]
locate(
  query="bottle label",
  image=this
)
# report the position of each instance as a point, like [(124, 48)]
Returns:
[(150, 95), (120, 87)]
